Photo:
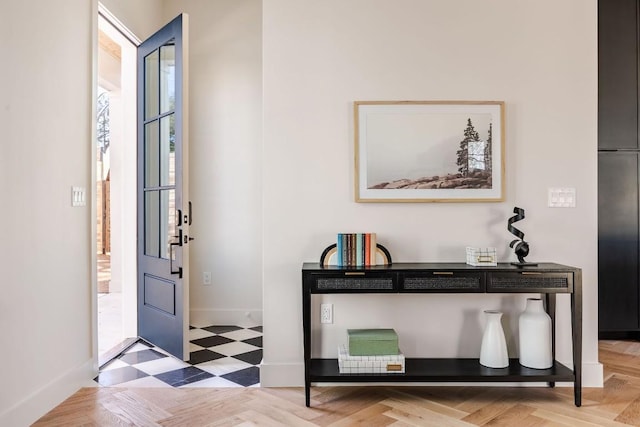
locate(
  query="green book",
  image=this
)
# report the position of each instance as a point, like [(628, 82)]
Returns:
[(372, 342)]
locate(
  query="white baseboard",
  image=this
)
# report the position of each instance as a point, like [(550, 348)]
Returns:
[(292, 375), (30, 409), (241, 317)]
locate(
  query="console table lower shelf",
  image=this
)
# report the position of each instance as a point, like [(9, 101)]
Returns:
[(441, 370), (435, 370)]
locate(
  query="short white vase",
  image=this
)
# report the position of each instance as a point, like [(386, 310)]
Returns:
[(493, 351), (535, 336)]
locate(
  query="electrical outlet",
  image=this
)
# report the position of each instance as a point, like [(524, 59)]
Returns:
[(206, 278), (326, 313)]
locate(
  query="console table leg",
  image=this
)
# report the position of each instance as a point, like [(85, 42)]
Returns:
[(576, 326), (550, 307), (306, 327)]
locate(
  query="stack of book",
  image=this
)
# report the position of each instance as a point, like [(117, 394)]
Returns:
[(356, 249), (371, 351), (381, 364)]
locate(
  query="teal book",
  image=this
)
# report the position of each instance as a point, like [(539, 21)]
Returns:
[(359, 260)]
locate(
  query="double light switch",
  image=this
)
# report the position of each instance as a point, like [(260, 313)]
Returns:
[(564, 197)]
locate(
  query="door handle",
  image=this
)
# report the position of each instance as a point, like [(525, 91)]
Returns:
[(171, 245), (190, 214), (179, 271)]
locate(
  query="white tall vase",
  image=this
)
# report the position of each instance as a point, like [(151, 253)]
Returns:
[(493, 351), (535, 336)]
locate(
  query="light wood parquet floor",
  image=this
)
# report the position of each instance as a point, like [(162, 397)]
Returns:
[(616, 404)]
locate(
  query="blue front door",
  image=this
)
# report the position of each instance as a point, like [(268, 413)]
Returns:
[(164, 212)]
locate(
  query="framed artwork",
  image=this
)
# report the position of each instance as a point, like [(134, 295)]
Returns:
[(429, 151)]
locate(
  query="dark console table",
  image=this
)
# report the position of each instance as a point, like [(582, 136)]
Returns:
[(546, 278)]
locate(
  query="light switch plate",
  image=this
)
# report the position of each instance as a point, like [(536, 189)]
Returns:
[(562, 197), (78, 196)]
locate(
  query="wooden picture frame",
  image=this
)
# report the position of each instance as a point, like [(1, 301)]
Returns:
[(429, 151)]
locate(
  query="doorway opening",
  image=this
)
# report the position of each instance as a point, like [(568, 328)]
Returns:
[(115, 187)]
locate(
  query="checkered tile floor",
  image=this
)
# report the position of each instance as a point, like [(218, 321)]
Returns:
[(221, 356)]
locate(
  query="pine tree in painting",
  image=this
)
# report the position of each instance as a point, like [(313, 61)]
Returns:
[(470, 134), (488, 157)]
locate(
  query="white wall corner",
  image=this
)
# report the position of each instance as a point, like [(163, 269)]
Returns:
[(40, 402), (281, 374), (592, 375)]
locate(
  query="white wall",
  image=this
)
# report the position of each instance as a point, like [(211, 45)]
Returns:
[(225, 158), (141, 17), (46, 108), (539, 57)]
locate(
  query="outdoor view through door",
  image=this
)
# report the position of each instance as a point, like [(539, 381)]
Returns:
[(164, 213)]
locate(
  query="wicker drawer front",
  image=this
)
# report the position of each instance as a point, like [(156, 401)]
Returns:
[(354, 284), (523, 281), (444, 282)]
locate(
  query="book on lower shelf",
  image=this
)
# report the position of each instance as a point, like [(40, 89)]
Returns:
[(381, 364), (372, 342)]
